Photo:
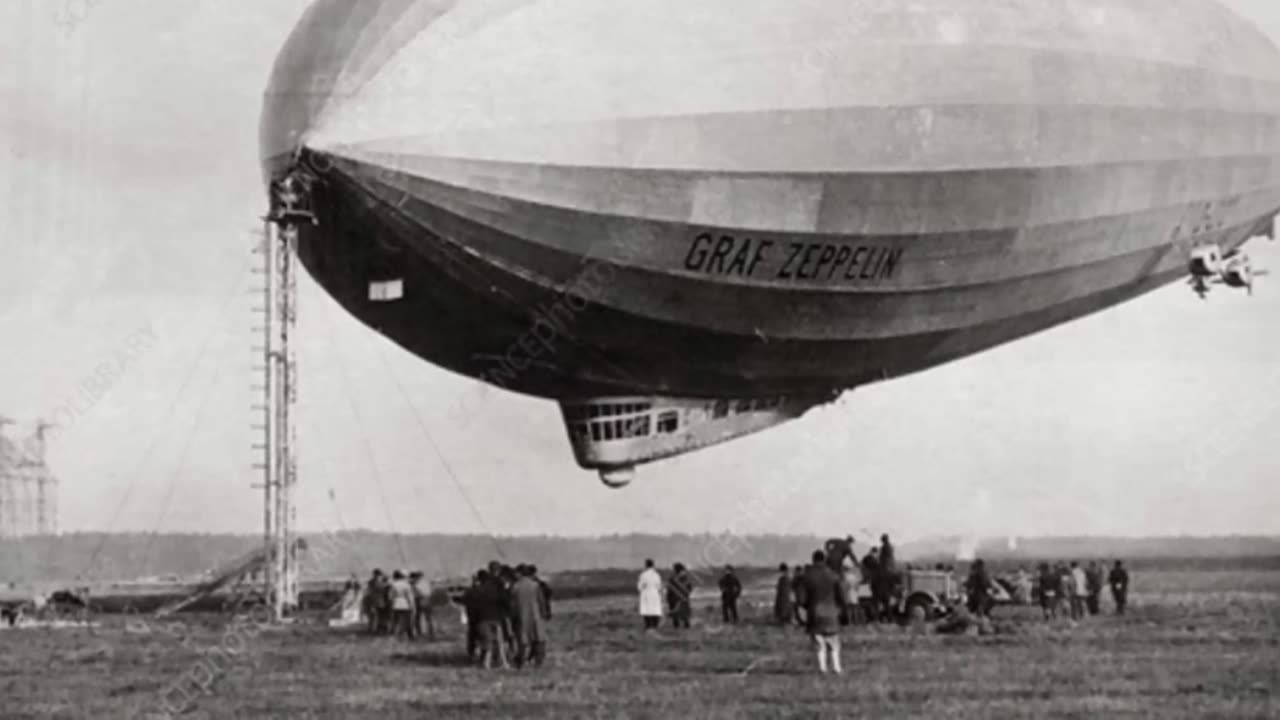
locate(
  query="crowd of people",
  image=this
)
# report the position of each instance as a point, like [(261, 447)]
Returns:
[(399, 605), (837, 589), (871, 585), (1060, 589), (506, 609)]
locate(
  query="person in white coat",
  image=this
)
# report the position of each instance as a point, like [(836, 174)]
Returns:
[(650, 588)]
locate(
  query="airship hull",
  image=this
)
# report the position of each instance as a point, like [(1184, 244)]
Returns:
[(661, 201)]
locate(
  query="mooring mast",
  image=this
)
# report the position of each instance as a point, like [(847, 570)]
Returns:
[(279, 464)]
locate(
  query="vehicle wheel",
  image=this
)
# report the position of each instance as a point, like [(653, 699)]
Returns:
[(919, 611)]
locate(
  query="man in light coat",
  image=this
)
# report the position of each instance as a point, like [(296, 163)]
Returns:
[(402, 606), (1079, 591), (650, 588)]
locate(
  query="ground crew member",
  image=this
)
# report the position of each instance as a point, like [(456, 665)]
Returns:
[(471, 608), (797, 592), (680, 596), (1079, 591), (1022, 589), (491, 614), (1119, 582), (402, 608), (851, 574), (505, 576), (824, 601), (545, 590), (1048, 589), (978, 588), (783, 607), (649, 588), (870, 582), (1065, 588), (531, 619), (887, 586), (837, 550), (1093, 578), (730, 591), (372, 591), (422, 621)]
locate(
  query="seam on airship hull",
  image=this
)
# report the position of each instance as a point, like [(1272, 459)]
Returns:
[(901, 139), (927, 209), (799, 313), (931, 262)]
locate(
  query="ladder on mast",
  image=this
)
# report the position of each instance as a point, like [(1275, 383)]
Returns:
[(279, 467)]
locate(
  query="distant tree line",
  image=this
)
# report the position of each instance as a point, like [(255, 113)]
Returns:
[(93, 558)]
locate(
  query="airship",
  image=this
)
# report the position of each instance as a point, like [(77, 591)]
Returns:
[(686, 222)]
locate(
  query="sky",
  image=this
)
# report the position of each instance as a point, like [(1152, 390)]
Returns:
[(131, 188)]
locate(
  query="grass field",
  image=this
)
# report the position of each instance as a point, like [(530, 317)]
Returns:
[(1197, 643)]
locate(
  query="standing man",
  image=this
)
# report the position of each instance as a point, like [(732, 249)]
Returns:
[(824, 601), (797, 592), (851, 574), (1079, 591), (870, 582), (491, 615), (783, 607), (506, 577), (369, 604), (1119, 581), (1065, 588), (680, 596), (730, 591), (544, 592), (978, 589), (1093, 576), (1047, 589), (649, 586), (888, 579), (531, 630), (384, 605), (471, 600), (401, 606), (422, 621)]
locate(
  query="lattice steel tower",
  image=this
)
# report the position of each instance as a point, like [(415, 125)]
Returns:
[(279, 464)]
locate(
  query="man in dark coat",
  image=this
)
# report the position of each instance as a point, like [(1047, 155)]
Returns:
[(471, 606), (370, 604), (824, 600), (1093, 579), (1119, 582), (531, 619), (978, 588), (797, 592), (545, 592), (730, 591), (783, 606), (888, 579), (871, 579), (680, 596), (490, 609), (837, 550), (1047, 590), (504, 576)]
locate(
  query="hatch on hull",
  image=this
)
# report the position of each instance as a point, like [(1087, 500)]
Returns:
[(613, 435)]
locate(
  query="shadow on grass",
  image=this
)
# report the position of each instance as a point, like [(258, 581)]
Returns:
[(433, 659)]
